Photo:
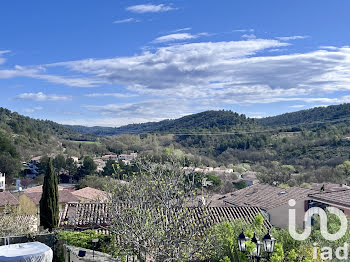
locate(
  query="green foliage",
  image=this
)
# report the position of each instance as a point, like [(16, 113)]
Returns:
[(59, 162), (108, 170), (26, 133), (49, 209), (208, 120), (98, 182), (9, 158), (71, 166), (240, 185), (84, 239), (288, 168), (278, 254), (216, 181), (87, 169), (306, 116), (344, 168), (259, 221), (123, 171)]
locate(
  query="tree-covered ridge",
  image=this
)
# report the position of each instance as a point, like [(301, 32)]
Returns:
[(208, 121), (148, 127), (12, 122), (32, 137), (313, 115)]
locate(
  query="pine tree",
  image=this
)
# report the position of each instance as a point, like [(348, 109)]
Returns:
[(49, 210)]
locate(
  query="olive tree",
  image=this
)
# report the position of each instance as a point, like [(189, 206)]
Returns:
[(152, 217)]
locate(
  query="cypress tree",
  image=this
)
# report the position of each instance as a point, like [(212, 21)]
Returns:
[(49, 209)]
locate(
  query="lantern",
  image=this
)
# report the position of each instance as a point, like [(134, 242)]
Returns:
[(269, 243), (257, 250), (242, 239)]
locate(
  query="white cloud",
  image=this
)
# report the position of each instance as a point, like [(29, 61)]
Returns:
[(297, 106), (243, 30), (149, 8), (208, 75), (176, 37), (127, 20), (181, 30), (249, 36), (117, 95), (2, 52), (294, 37), (32, 110), (328, 47), (155, 108), (41, 97)]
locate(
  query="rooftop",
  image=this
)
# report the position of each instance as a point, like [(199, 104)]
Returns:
[(90, 193), (92, 215), (266, 196), (328, 187), (6, 198), (38, 189), (64, 196), (341, 198)]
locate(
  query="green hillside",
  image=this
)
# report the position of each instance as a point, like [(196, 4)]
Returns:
[(317, 115), (32, 137), (208, 121)]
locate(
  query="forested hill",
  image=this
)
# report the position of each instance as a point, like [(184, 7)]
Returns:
[(208, 121), (31, 137), (16, 124), (314, 115)]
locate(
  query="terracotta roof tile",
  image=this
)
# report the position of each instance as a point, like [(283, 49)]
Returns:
[(6, 198), (90, 193), (266, 196), (64, 196), (92, 215), (38, 189), (341, 198)]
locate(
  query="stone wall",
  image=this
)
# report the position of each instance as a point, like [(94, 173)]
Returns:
[(71, 254)]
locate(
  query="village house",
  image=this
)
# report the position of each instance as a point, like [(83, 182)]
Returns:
[(127, 158), (100, 164), (39, 189), (2, 182), (339, 199), (110, 157), (94, 215), (7, 200), (29, 201), (88, 194), (328, 187), (272, 200)]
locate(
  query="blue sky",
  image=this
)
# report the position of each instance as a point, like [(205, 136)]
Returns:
[(117, 62)]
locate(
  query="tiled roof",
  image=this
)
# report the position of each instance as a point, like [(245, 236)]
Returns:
[(328, 187), (341, 198), (266, 196), (90, 193), (93, 215), (38, 189), (64, 196), (6, 198)]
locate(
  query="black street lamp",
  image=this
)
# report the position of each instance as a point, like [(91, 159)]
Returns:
[(242, 238), (268, 241), (269, 244), (94, 244)]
